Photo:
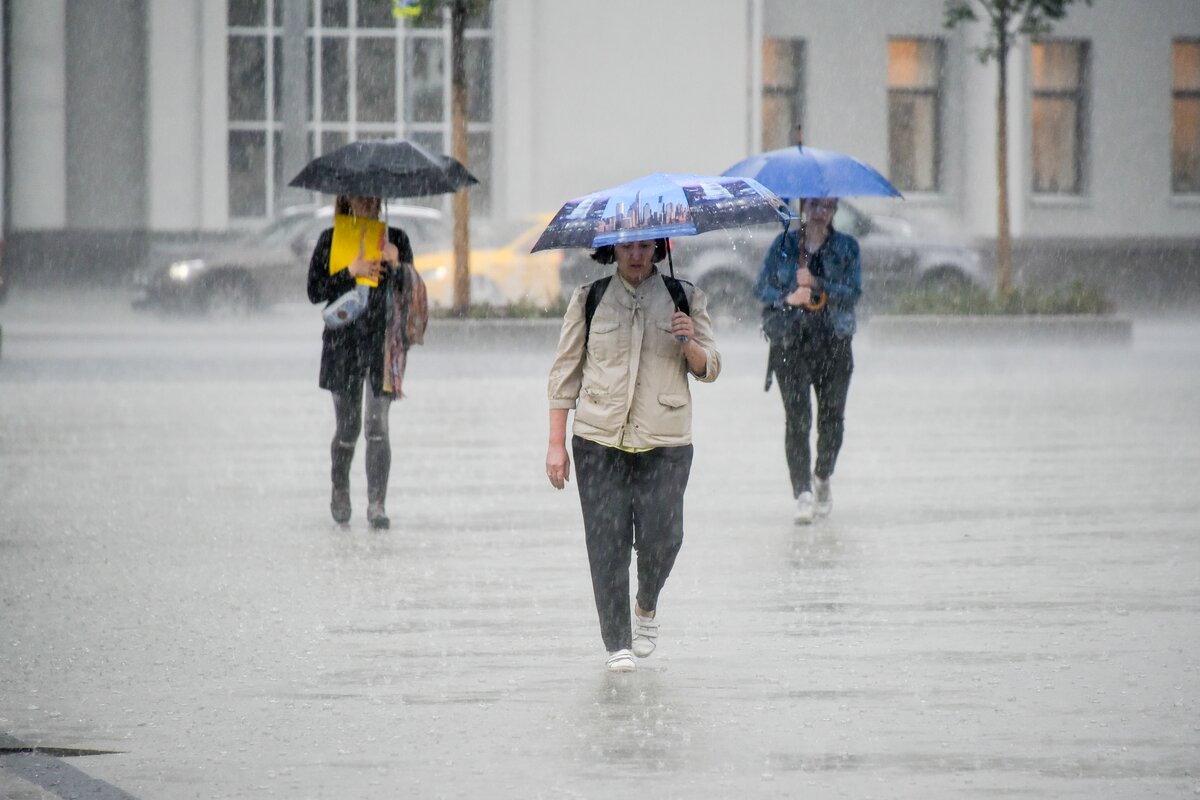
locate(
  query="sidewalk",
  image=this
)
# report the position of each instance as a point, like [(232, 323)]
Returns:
[(1003, 603)]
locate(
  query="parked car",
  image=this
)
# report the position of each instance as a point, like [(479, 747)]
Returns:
[(895, 256), (263, 266), (503, 271)]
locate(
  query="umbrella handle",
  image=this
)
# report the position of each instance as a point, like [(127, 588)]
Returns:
[(818, 303)]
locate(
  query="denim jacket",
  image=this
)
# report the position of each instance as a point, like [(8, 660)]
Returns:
[(840, 276)]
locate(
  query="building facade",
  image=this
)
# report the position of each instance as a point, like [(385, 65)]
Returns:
[(133, 118)]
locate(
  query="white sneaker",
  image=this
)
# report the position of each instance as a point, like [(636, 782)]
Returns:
[(645, 635), (824, 496), (621, 661), (805, 510)]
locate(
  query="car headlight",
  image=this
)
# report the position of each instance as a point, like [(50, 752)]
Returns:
[(181, 271)]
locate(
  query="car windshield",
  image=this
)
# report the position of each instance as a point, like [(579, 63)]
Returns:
[(424, 234), (280, 230)]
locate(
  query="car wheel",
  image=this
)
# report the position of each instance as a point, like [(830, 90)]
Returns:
[(231, 293), (731, 301), (945, 279)]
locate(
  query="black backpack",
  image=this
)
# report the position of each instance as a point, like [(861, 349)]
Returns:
[(597, 288)]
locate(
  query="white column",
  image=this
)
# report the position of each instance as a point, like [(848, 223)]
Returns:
[(979, 136), (38, 125), (214, 117), (173, 128), (754, 90), (516, 132)]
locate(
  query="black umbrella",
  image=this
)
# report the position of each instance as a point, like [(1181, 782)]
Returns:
[(384, 168)]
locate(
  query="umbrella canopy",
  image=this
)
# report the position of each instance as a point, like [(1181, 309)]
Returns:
[(660, 206), (384, 168), (797, 172)]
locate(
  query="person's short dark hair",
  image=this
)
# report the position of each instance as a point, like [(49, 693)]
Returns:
[(607, 254)]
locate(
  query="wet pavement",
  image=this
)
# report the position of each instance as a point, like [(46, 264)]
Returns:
[(1005, 601)]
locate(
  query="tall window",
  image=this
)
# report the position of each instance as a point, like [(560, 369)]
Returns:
[(782, 91), (1185, 117), (914, 113), (1059, 113), (368, 76)]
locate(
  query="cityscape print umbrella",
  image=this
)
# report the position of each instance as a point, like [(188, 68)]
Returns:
[(661, 205), (799, 172), (384, 168)]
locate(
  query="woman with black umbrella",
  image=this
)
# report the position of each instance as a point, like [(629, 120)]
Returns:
[(362, 363)]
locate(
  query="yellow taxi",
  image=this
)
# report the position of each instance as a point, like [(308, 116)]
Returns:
[(503, 271)]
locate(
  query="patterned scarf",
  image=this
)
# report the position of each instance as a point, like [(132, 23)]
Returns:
[(407, 318)]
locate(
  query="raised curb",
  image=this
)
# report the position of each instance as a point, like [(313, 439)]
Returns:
[(492, 332), (999, 330)]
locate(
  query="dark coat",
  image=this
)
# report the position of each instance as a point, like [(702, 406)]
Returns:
[(348, 354)]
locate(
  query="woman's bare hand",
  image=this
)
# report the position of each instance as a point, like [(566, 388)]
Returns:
[(361, 267), (800, 297), (681, 326), (558, 465)]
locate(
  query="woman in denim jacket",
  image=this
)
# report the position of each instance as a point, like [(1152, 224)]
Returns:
[(811, 349)]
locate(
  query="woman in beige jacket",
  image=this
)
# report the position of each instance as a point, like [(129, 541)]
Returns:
[(625, 372)]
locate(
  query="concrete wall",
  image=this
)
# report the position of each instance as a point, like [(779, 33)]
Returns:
[(1129, 161), (587, 95), (595, 94)]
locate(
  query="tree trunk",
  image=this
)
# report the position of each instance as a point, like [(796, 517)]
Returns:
[(1003, 243), (458, 148)]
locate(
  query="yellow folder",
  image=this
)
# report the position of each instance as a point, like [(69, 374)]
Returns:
[(348, 234)]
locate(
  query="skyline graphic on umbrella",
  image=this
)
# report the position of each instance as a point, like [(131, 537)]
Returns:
[(384, 168), (660, 206), (800, 171)]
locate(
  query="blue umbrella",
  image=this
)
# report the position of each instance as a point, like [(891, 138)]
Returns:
[(660, 206), (796, 172)]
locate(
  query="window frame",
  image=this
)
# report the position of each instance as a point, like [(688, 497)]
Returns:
[(317, 128), (1178, 94), (937, 95), (793, 94), (1082, 96)]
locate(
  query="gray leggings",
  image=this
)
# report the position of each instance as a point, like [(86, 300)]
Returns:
[(348, 414)]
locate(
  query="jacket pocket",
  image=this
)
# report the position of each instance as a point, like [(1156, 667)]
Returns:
[(674, 400), (604, 338), (675, 414), (665, 343), (597, 407)]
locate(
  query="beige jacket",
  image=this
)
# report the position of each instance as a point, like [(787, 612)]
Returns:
[(630, 389)]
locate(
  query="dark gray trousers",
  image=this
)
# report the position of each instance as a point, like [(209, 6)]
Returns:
[(821, 366), (348, 414), (629, 500)]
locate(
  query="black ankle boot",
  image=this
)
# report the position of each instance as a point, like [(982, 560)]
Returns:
[(339, 505)]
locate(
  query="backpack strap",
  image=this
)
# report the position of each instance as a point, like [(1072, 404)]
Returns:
[(591, 303), (596, 290)]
